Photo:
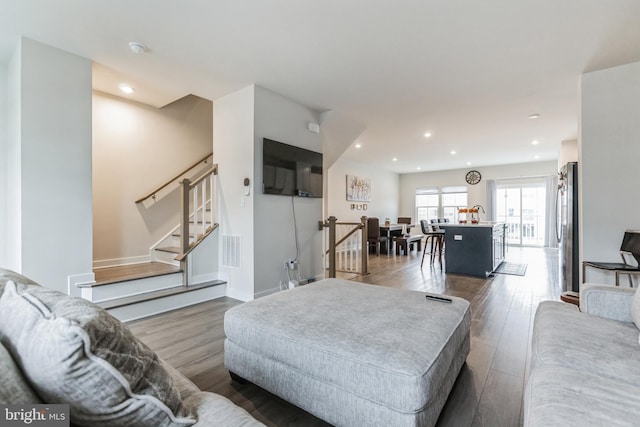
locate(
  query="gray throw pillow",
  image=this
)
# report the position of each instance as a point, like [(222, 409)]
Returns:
[(6, 275), (72, 351), (14, 389)]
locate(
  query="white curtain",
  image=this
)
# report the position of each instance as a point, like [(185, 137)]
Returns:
[(492, 192), (551, 213)]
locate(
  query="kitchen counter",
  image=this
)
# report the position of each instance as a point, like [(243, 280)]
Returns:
[(474, 249)]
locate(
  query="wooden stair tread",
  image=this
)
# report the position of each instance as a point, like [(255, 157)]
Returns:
[(123, 273), (149, 296)]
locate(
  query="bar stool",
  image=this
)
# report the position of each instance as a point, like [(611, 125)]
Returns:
[(437, 240)]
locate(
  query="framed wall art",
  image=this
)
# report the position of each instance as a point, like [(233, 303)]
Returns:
[(358, 189)]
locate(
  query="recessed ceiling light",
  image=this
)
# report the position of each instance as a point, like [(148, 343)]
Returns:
[(418, 168), (395, 159), (536, 157), (358, 145), (453, 151), (427, 135), (535, 142), (468, 163), (534, 116), (126, 88), (137, 47)]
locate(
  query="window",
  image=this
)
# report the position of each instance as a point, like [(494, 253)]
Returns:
[(434, 203), (427, 203), (453, 198)]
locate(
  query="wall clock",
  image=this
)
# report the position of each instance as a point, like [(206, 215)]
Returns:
[(473, 177)]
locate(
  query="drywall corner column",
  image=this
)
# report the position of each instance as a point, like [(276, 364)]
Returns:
[(609, 153), (52, 144), (13, 183), (284, 120), (233, 129), (3, 164)]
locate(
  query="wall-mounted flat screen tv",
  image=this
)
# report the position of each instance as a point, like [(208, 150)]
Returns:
[(290, 171)]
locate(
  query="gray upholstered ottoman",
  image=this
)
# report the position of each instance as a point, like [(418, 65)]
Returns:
[(350, 353)]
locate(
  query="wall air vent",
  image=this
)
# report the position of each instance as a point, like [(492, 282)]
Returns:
[(231, 253)]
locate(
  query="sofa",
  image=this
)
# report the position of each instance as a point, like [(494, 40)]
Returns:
[(585, 363), (56, 349)]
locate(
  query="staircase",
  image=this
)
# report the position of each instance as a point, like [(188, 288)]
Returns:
[(139, 290)]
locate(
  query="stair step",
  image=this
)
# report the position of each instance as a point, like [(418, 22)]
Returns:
[(123, 273), (149, 296)]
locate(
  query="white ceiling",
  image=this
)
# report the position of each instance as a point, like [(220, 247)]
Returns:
[(468, 71)]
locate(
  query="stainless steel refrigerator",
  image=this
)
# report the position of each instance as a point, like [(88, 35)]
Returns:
[(568, 227)]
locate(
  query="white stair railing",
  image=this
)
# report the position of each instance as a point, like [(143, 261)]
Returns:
[(347, 246), (197, 209)]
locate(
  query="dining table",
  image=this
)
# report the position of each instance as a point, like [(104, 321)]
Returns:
[(391, 231)]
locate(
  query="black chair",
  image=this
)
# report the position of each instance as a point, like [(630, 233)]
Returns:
[(373, 234), (437, 239), (630, 247)]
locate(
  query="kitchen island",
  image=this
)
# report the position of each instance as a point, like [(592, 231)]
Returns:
[(474, 249)]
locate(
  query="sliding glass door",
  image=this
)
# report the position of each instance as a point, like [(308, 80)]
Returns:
[(522, 207)]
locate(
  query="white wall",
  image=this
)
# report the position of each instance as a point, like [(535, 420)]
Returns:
[(233, 136), (476, 193), (283, 120), (385, 190), (13, 220), (568, 152), (3, 165), (53, 138), (137, 148), (609, 153)]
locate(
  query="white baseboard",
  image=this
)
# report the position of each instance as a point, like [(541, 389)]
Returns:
[(267, 292), (239, 295), (319, 277), (121, 261), (79, 279)]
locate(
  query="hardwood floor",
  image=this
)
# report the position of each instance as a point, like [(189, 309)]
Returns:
[(488, 391)]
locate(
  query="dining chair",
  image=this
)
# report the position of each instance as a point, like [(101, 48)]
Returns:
[(373, 234)]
